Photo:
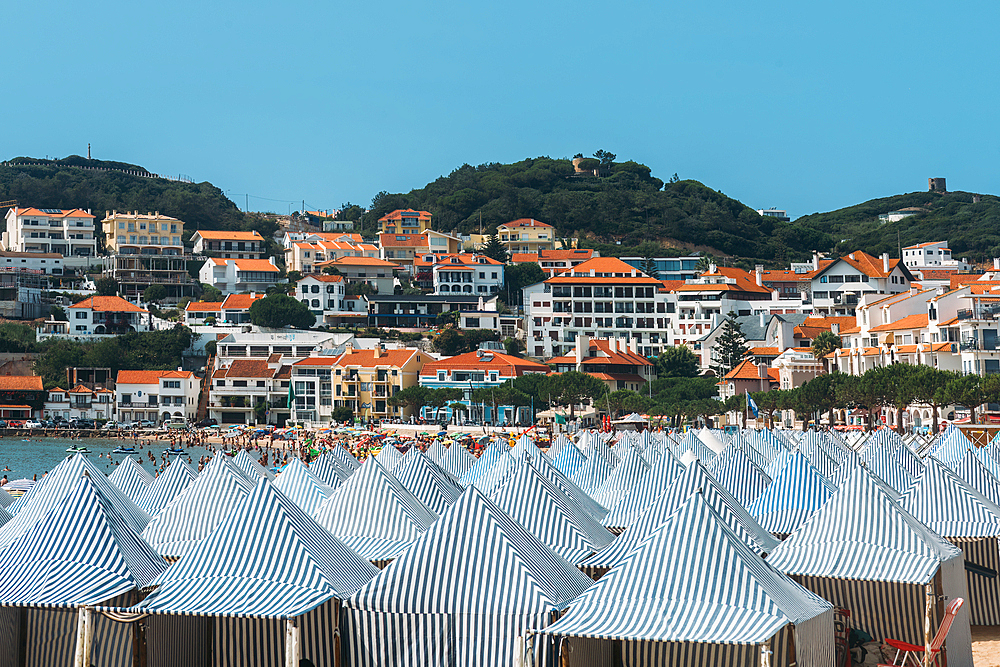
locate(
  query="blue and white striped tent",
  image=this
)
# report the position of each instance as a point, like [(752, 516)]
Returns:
[(549, 514), (330, 470), (951, 447), (6, 500), (823, 462), (861, 551), (79, 553), (644, 494), (693, 478), (253, 469), (5, 516), (739, 475), (629, 473), (557, 445), (374, 514), (884, 465), (974, 473), (738, 441), (131, 478), (345, 457), (988, 460), (266, 562), (691, 447), (764, 441), (457, 461), (165, 488), (427, 481), (302, 487), (389, 456), (436, 451), (594, 471), (569, 459), (60, 482), (797, 492), (493, 452), (198, 510), (466, 589), (694, 593)]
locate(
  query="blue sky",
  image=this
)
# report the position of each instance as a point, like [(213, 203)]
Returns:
[(798, 105)]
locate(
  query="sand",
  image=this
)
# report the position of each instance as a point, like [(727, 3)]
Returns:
[(986, 645)]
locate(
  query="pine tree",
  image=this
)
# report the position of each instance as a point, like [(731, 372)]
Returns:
[(648, 266), (493, 249), (730, 346)]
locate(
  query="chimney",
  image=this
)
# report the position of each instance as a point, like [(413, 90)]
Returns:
[(633, 346), (762, 319), (762, 371), (996, 263), (580, 342), (851, 255), (759, 274), (712, 268), (885, 262), (835, 328), (815, 261), (253, 295)]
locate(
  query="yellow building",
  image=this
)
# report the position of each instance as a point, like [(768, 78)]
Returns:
[(132, 233), (360, 379), (526, 235), (405, 221)]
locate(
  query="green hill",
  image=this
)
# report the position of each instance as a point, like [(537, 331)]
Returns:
[(626, 205), (972, 229)]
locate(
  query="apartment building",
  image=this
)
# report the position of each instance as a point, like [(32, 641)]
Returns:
[(251, 391), (421, 310), (405, 221), (527, 235), (669, 268), (304, 256), (360, 379), (231, 276), (98, 316), (67, 232), (136, 272), (837, 287), (601, 298), (230, 245), (402, 249), (80, 402), (378, 273), (156, 395), (554, 262), (616, 362), (483, 368), (464, 273), (326, 297), (132, 233), (45, 263), (287, 238)]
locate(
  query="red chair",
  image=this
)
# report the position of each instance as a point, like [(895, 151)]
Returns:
[(912, 654)]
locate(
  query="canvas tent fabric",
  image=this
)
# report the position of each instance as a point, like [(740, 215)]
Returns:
[(569, 459), (644, 494), (430, 602), (734, 470), (345, 457), (594, 471), (253, 469), (302, 487), (329, 469), (165, 488), (797, 492), (389, 456), (6, 500), (374, 514), (629, 472), (427, 481), (949, 506), (972, 471), (480, 466), (436, 451), (457, 461), (709, 590), (131, 478)]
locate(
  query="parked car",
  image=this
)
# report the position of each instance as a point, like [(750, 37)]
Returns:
[(81, 423), (48, 423), (207, 422), (147, 423), (15, 423), (3, 423), (110, 424)]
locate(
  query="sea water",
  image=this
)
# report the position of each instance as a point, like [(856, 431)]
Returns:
[(36, 456)]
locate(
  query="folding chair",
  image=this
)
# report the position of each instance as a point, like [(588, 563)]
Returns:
[(912, 654)]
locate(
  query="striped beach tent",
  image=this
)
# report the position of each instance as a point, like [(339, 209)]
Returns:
[(389, 456), (79, 553), (493, 452), (594, 471), (302, 487), (569, 459), (741, 477), (464, 592), (951, 447), (165, 488), (252, 467), (5, 516), (525, 439), (693, 478), (6, 500), (862, 552), (131, 478), (374, 514), (797, 492), (738, 441), (823, 462), (349, 460), (266, 584), (764, 441), (714, 440), (549, 514), (776, 464), (694, 593), (628, 474), (59, 483), (974, 473), (883, 463), (436, 451), (457, 461), (558, 443), (691, 447), (329, 469), (197, 510), (643, 494), (427, 481), (988, 460)]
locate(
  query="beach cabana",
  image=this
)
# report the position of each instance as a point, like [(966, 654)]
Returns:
[(165, 488), (493, 452), (973, 472), (797, 492), (6, 500), (734, 470), (457, 460), (81, 552), (330, 470), (694, 594), (131, 478), (302, 487), (197, 510), (263, 589), (346, 458), (252, 467), (436, 451), (389, 456), (643, 494), (427, 481), (629, 472), (462, 594), (861, 551), (569, 459), (594, 471), (374, 514)]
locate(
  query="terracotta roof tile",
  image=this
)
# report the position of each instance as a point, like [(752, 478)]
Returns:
[(229, 236), (20, 383), (203, 307), (525, 222), (918, 321), (240, 301), (149, 377), (111, 304), (249, 368), (508, 366)]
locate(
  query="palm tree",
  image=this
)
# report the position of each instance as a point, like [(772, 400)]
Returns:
[(704, 263), (825, 343)]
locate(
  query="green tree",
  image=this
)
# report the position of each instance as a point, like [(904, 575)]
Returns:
[(154, 294), (967, 391), (573, 387), (928, 386), (106, 286), (648, 266), (514, 347), (825, 343), (58, 314), (360, 288), (279, 310), (518, 276), (623, 401), (730, 347), (210, 293), (438, 398), (342, 413), (607, 159), (414, 398), (677, 361), (705, 262), (493, 249), (767, 403)]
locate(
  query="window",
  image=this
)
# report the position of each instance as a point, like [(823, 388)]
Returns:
[(315, 303), (121, 225), (81, 316), (315, 289), (173, 384)]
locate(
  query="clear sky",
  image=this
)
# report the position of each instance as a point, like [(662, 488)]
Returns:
[(800, 105)]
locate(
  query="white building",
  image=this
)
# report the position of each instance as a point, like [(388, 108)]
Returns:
[(231, 276), (98, 316), (156, 395), (79, 403), (932, 255), (48, 263), (325, 295), (230, 245), (778, 213), (837, 286), (68, 232), (461, 273), (304, 256)]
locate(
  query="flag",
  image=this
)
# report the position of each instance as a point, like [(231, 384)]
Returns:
[(753, 406), (291, 394), (560, 419)]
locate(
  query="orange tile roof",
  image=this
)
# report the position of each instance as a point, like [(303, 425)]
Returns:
[(939, 347), (203, 306), (389, 240), (363, 358), (358, 261), (56, 389), (909, 322), (604, 345), (324, 278), (671, 285), (906, 349), (523, 257), (80, 389), (149, 377), (63, 213), (953, 320), (398, 214), (851, 330), (745, 370), (110, 304), (964, 279), (247, 264), (919, 245), (20, 383), (508, 366), (765, 351), (525, 222), (240, 301), (249, 368), (937, 274), (605, 265), (443, 260), (229, 236), (870, 265)]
